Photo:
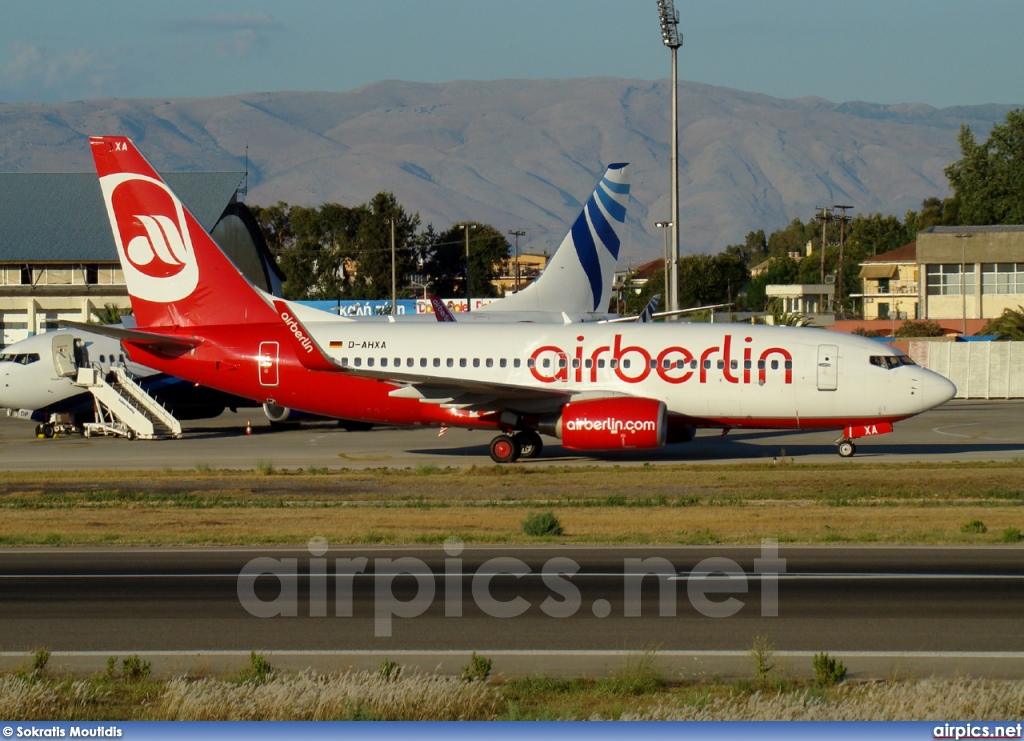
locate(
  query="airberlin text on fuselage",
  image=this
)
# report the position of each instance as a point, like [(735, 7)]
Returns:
[(672, 364)]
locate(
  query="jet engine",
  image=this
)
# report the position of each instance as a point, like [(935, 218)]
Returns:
[(279, 415), (613, 423)]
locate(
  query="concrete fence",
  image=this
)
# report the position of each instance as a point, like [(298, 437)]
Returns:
[(980, 370)]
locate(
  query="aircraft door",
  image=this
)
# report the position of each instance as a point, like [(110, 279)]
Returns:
[(64, 355), (828, 367), (268, 359)]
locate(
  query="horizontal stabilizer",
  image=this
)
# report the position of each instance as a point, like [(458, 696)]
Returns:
[(137, 336)]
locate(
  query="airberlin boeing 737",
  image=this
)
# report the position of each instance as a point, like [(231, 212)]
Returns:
[(577, 284), (594, 386)]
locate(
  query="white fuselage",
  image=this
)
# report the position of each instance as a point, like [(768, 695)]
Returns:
[(728, 374), (30, 382)]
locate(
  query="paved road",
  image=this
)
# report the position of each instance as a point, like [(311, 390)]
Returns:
[(960, 430), (889, 606)]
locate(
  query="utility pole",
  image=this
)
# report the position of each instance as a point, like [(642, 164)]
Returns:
[(843, 221), (671, 38), (466, 227), (824, 218), (394, 282), (517, 233)]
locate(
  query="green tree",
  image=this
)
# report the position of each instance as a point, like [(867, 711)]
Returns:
[(700, 281), (444, 261), (781, 270), (634, 303), (794, 238), (918, 328), (312, 244), (109, 314), (867, 236), (373, 247), (754, 249), (1008, 326), (934, 212), (988, 180)]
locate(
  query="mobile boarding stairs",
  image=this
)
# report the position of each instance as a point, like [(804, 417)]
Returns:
[(123, 407)]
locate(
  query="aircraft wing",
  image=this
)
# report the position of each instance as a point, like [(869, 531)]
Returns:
[(463, 394), (137, 336)]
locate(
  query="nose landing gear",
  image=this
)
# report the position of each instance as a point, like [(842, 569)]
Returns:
[(845, 448)]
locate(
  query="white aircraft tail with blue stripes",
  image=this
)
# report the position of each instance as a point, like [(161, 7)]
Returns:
[(578, 279)]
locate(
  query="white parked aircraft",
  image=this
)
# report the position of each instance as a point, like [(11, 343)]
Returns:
[(37, 380), (595, 386)]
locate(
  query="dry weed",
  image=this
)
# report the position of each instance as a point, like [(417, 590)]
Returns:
[(350, 695), (929, 699), (27, 699)]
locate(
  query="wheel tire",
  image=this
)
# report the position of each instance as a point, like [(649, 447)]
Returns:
[(846, 449), (530, 444), (48, 430), (504, 449), (130, 435)]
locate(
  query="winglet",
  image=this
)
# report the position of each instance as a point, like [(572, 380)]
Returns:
[(442, 312), (647, 315)]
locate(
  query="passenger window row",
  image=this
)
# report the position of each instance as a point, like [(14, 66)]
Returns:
[(547, 362)]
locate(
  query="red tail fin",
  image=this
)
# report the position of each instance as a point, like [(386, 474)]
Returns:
[(442, 312), (176, 273)]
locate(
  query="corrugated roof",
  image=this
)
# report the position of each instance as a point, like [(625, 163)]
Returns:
[(973, 229), (906, 253), (60, 217)]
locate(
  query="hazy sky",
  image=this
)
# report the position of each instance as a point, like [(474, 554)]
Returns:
[(941, 52)]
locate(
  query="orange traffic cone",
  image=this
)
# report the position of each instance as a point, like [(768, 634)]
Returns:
[(248, 427)]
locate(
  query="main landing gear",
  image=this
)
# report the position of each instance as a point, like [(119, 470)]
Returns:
[(510, 448)]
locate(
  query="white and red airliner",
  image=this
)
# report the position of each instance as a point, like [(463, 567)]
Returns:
[(593, 386)]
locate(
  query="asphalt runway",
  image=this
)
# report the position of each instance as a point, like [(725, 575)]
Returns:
[(882, 609), (961, 430)]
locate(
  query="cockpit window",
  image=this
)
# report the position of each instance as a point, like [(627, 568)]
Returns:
[(891, 361), (20, 358)]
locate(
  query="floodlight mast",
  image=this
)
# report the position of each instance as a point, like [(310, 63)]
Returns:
[(671, 37)]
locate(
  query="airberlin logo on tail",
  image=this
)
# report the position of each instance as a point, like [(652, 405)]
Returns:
[(293, 324), (151, 236)]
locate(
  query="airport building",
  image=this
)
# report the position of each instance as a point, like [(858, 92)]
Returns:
[(890, 284), (57, 255), (970, 273)]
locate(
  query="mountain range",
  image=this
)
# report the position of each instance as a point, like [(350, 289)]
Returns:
[(524, 154)]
